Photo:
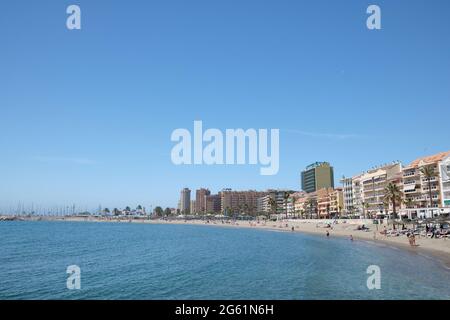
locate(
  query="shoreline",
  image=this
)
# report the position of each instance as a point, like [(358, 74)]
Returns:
[(438, 249)]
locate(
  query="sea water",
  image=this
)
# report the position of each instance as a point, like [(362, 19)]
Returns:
[(162, 261)]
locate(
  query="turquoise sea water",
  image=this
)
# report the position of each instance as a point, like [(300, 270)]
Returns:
[(143, 261)]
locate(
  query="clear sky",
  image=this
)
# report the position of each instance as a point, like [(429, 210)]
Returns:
[(86, 115)]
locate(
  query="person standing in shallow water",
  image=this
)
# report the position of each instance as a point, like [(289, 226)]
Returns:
[(351, 238), (328, 234)]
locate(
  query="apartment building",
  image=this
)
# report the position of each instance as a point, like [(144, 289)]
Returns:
[(292, 208), (347, 195), (212, 203), (305, 205), (418, 188), (351, 193), (185, 201), (193, 206), (239, 201), (330, 202), (444, 174), (281, 200), (200, 200), (357, 209), (372, 188)]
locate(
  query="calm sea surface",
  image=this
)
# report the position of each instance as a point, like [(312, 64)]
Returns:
[(143, 261)]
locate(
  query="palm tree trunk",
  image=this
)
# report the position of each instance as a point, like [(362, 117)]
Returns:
[(429, 190), (393, 207), (286, 210)]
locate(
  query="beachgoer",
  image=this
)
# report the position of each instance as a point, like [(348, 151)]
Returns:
[(292, 228), (351, 238), (410, 240), (328, 234)]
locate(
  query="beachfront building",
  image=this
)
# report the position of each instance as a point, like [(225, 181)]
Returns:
[(305, 205), (274, 202), (418, 188), (347, 195), (185, 201), (330, 202), (357, 208), (444, 174), (351, 194), (295, 203), (373, 184), (292, 202), (200, 200), (212, 203), (317, 176), (235, 202)]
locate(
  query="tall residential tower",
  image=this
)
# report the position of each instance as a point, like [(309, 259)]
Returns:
[(317, 176), (185, 201)]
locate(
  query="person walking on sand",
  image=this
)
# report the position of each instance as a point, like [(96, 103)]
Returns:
[(413, 240)]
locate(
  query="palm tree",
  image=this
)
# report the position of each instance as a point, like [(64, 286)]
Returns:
[(273, 206), (392, 194), (286, 197), (293, 204), (246, 207), (251, 210), (159, 211), (309, 205), (305, 207), (429, 173), (240, 209), (365, 206), (409, 203), (227, 211)]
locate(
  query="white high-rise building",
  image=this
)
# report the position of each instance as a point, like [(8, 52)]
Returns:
[(185, 201), (351, 190), (347, 192)]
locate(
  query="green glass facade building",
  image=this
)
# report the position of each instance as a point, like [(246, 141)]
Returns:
[(317, 176)]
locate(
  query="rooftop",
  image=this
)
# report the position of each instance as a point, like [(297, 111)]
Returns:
[(429, 159)]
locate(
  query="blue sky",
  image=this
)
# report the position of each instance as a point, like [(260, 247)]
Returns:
[(86, 115)]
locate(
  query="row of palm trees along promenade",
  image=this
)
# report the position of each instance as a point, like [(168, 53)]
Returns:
[(419, 190)]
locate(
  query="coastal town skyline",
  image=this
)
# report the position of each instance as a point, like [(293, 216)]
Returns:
[(91, 122), (349, 200)]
